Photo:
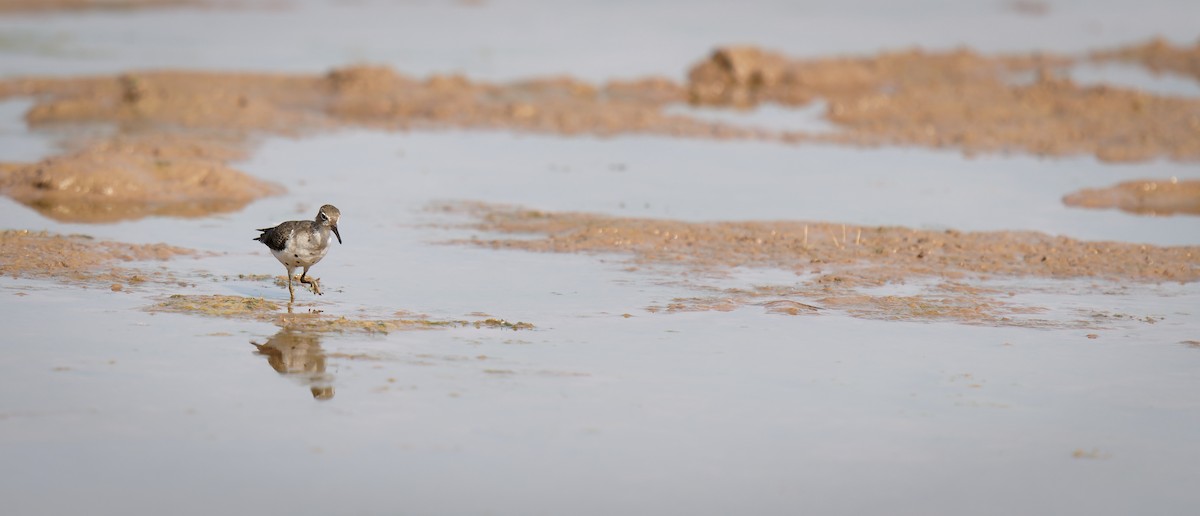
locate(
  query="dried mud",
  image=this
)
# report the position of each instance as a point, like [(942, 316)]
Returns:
[(838, 265), (1144, 197), (961, 100)]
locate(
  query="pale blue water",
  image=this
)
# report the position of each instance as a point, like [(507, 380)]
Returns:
[(590, 39), (108, 409)]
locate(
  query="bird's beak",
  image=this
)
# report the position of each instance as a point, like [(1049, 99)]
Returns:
[(335, 233)]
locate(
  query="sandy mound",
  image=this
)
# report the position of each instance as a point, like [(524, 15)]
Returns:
[(130, 179), (1145, 197)]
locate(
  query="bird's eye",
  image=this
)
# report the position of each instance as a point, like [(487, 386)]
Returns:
[(324, 216)]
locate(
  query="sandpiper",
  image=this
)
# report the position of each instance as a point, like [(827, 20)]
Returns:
[(302, 243)]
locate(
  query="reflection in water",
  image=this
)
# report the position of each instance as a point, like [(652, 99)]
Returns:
[(299, 355), (93, 211)]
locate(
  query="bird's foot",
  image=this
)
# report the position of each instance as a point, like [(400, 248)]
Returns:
[(313, 283)]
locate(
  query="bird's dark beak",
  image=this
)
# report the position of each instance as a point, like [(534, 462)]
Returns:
[(335, 233)]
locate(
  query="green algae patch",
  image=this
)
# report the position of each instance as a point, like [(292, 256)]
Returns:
[(502, 324), (319, 323), (218, 306), (258, 309), (315, 322)]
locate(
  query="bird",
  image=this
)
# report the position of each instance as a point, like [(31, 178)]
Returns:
[(302, 243)]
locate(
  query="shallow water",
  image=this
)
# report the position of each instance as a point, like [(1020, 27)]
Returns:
[(809, 118), (18, 144), (110, 409), (1128, 76), (589, 39), (594, 412), (670, 178)]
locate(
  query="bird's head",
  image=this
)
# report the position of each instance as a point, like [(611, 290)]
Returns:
[(328, 216)]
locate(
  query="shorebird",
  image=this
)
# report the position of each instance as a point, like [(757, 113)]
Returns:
[(302, 243)]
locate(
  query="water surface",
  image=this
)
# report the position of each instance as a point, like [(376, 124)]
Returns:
[(605, 408)]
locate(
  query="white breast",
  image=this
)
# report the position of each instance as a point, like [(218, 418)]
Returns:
[(303, 249)]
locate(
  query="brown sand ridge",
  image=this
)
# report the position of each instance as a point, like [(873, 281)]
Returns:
[(175, 133), (39, 254), (837, 261), (1158, 56), (963, 100), (896, 252), (950, 99), (133, 178), (1144, 197), (960, 99)]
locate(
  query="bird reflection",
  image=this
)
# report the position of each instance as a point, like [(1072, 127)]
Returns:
[(298, 355)]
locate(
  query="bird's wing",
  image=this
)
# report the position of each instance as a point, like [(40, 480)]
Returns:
[(276, 237)]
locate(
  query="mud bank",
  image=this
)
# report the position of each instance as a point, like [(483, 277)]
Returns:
[(960, 100), (1158, 56), (135, 177), (964, 100), (877, 253), (842, 266), (941, 100), (1145, 197), (77, 257)]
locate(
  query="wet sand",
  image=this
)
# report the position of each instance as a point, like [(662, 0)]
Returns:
[(174, 134), (836, 263), (85, 261), (1149, 197), (881, 253), (967, 101), (960, 100), (689, 365), (76, 257), (1158, 55), (135, 177)]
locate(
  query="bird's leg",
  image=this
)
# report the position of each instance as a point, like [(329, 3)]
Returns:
[(310, 281), (291, 292)]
